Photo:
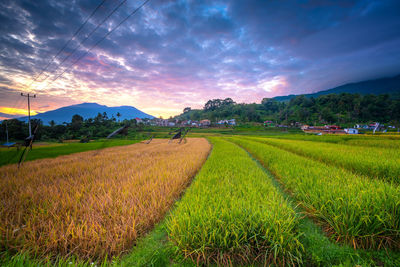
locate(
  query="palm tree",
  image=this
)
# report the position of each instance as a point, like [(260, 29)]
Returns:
[(118, 115)]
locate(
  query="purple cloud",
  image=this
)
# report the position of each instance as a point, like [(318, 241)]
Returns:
[(173, 54)]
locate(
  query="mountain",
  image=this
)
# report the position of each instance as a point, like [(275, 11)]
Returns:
[(389, 85), (88, 110)]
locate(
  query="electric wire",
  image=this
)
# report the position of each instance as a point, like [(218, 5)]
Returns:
[(67, 43), (85, 39), (99, 41)]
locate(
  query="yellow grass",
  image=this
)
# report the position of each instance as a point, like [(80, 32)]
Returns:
[(97, 203)]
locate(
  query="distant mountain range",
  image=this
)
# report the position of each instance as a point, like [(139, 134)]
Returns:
[(88, 110), (389, 85)]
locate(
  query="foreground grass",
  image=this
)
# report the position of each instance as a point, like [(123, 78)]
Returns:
[(11, 155), (93, 204)]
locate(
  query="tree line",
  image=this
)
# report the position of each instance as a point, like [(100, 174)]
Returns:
[(342, 109), (79, 128)]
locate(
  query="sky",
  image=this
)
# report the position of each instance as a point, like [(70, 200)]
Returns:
[(175, 54)]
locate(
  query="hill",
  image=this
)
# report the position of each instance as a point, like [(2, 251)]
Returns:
[(88, 110), (388, 85)]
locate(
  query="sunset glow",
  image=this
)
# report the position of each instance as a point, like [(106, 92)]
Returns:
[(16, 111), (176, 54)]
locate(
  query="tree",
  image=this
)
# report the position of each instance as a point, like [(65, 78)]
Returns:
[(187, 109), (227, 102), (76, 122), (118, 115), (270, 105)]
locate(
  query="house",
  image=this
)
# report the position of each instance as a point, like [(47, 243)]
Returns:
[(332, 127), (305, 127), (222, 122), (138, 120), (232, 122), (327, 129), (351, 131), (205, 123), (171, 124)]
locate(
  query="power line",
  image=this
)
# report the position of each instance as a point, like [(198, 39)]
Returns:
[(67, 43), (102, 39), (18, 101), (98, 42), (86, 38)]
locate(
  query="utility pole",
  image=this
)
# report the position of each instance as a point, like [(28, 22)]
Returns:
[(29, 111), (7, 131)]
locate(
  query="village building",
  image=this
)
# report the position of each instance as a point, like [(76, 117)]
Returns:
[(351, 131), (205, 123), (232, 122), (327, 129)]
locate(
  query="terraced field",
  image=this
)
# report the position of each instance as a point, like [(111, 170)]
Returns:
[(254, 201)]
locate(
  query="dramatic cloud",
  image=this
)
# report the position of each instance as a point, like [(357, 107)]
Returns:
[(173, 54)]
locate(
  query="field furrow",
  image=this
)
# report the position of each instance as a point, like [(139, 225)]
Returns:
[(357, 210), (233, 213), (94, 204), (370, 161)]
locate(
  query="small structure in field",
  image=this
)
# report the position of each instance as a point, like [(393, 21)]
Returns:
[(232, 122), (351, 131), (205, 123), (327, 129)]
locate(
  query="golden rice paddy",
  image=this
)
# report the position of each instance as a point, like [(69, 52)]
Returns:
[(94, 204)]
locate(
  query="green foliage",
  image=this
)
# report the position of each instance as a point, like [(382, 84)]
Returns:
[(343, 109), (93, 128), (233, 212), (354, 209)]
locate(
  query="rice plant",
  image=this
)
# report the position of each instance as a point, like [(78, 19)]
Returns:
[(354, 209), (382, 141), (232, 213), (93, 204), (374, 162)]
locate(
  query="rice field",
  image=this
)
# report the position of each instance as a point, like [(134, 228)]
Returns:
[(375, 162), (282, 201), (232, 213), (353, 209), (380, 141), (94, 204)]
